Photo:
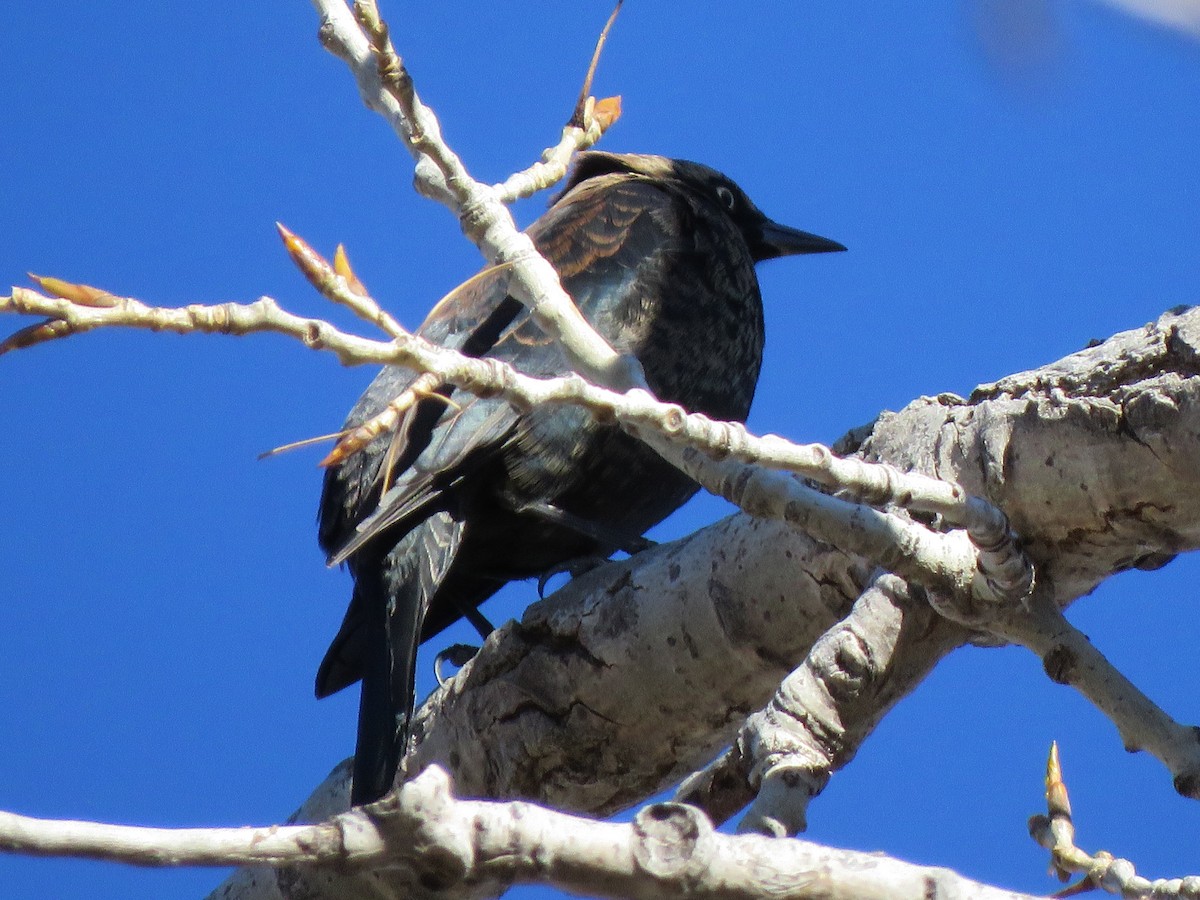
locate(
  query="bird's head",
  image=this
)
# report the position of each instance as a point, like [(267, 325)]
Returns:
[(766, 238)]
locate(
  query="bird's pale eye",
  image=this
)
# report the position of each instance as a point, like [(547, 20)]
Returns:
[(725, 195)]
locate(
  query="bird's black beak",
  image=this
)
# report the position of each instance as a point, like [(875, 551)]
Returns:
[(779, 240)]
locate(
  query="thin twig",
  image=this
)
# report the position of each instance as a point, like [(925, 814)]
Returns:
[(342, 288), (362, 40), (1056, 832), (946, 563)]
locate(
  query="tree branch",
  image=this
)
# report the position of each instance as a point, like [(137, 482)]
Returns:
[(1119, 422), (1069, 657), (785, 754), (1056, 832), (387, 88), (438, 845), (635, 675), (732, 462)]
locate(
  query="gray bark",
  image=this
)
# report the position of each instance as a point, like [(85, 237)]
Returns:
[(631, 677)]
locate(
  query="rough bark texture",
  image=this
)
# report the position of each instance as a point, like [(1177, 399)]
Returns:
[(629, 678), (1093, 458), (478, 848)]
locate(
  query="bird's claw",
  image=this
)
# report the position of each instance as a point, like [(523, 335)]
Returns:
[(573, 567), (458, 655)]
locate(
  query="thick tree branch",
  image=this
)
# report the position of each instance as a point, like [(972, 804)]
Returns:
[(440, 846), (785, 754), (1111, 433), (637, 674)]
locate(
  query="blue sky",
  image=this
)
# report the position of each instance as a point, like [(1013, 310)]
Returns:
[(163, 604)]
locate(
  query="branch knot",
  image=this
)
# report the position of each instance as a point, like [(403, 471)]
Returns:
[(672, 841)]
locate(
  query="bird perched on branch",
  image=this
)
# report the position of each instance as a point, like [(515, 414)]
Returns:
[(469, 494)]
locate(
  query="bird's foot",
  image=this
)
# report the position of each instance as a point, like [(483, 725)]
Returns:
[(573, 567), (458, 655)]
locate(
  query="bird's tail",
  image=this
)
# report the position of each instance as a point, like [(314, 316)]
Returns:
[(378, 643), (385, 705)]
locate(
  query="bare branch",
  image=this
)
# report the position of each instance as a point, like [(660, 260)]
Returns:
[(456, 848), (387, 88), (947, 563), (342, 288), (1056, 832), (944, 562), (599, 115), (1069, 657), (1093, 458), (263, 315), (589, 120), (784, 754), (276, 845), (1110, 434), (544, 692), (341, 36)]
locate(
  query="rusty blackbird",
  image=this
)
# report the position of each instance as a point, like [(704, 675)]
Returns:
[(659, 255)]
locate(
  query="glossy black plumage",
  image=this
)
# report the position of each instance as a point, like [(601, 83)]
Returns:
[(659, 255)]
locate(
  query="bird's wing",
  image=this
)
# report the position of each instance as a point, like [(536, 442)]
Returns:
[(599, 238), (469, 319)]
